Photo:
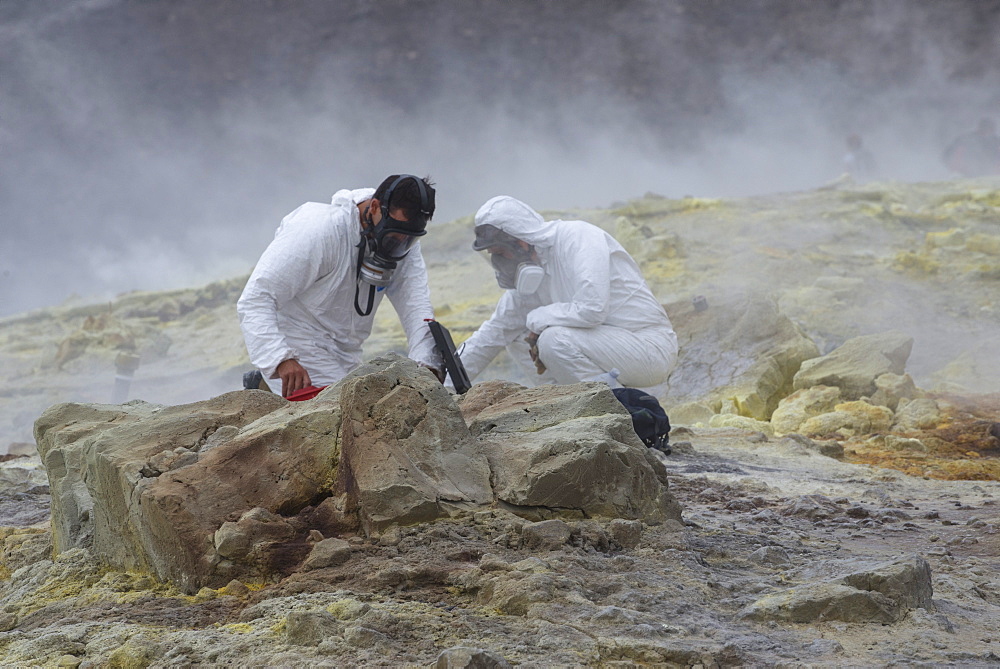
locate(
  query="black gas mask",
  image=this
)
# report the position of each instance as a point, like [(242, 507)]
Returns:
[(512, 264), (382, 246)]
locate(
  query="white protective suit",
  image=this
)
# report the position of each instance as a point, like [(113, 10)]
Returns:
[(593, 311), (299, 300)]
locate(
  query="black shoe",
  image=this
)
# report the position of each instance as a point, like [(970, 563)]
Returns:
[(252, 380)]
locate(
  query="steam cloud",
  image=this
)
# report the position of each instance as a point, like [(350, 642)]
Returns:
[(156, 145)]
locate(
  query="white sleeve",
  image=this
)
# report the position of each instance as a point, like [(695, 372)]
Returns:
[(411, 298), (586, 259), (300, 253), (505, 325)]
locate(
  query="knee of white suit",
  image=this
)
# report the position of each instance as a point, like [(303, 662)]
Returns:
[(560, 351), (585, 354)]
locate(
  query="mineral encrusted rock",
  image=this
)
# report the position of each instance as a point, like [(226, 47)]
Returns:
[(738, 357), (857, 363), (249, 486)]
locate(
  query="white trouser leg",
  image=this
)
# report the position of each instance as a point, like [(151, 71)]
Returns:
[(644, 358)]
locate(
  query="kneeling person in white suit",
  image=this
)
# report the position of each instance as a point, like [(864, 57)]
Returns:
[(576, 302), (310, 303)]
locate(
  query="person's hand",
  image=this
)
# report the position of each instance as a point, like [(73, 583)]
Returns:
[(532, 341), (293, 377), (439, 373)]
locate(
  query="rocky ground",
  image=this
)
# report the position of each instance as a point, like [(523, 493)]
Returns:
[(762, 517), (787, 543)]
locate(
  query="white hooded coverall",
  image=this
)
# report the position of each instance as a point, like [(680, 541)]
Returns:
[(299, 300), (593, 311)]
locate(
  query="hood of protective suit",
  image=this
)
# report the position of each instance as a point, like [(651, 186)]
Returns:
[(516, 219), (346, 196)]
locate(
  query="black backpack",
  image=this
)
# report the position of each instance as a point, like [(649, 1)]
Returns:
[(649, 420)]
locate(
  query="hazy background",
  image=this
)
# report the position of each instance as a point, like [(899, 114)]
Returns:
[(154, 144)]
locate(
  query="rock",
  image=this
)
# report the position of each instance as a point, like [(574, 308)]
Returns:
[(682, 448), (235, 589), (907, 582), (894, 443), (626, 533), (690, 413), (891, 388), (825, 601), (94, 456), (881, 594), (849, 419), (462, 657), (515, 593), (802, 405), (918, 414), (854, 366), (327, 553), (391, 537), (974, 369), (771, 555), (742, 423), (830, 449), (231, 541), (814, 507), (402, 454), (406, 454), (348, 609), (643, 244), (591, 466), (21, 448), (742, 354), (21, 475), (534, 409), (310, 628), (546, 535), (360, 636), (482, 395)]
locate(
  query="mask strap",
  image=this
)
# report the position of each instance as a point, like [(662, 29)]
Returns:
[(357, 284)]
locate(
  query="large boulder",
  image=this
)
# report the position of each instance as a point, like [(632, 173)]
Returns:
[(240, 486), (98, 457), (857, 363), (228, 488), (736, 357), (571, 451)]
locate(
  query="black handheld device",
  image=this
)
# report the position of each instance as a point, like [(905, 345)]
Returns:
[(452, 363)]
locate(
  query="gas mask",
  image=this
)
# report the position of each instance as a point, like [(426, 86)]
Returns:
[(384, 245), (512, 264), (518, 274)]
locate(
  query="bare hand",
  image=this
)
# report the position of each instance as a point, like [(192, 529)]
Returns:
[(532, 341), (293, 377), (439, 373)]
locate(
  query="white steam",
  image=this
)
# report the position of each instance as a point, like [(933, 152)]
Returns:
[(125, 195)]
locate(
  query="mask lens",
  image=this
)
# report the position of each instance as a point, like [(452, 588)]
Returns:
[(488, 235), (395, 244)]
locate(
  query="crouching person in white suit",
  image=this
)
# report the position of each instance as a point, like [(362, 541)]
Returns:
[(576, 304)]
